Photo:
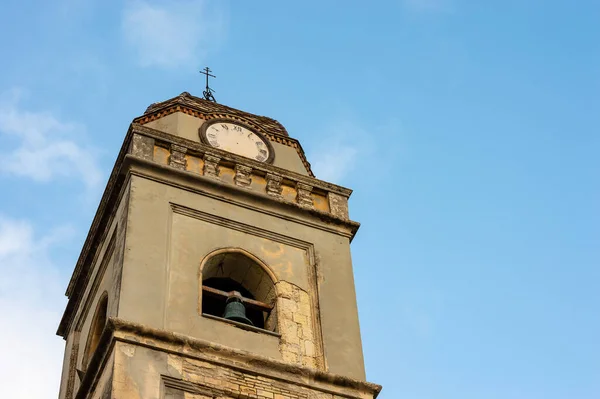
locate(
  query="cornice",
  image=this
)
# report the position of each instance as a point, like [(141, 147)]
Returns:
[(202, 148), (198, 184), (119, 330), (210, 107)]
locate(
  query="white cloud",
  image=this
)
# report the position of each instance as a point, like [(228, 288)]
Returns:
[(171, 34), (45, 146), (31, 304), (334, 161), (338, 150), (347, 147)]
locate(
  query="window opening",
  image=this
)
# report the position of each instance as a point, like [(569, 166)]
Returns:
[(237, 288), (226, 298), (96, 329)]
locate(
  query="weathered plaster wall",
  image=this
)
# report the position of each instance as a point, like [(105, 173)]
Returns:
[(179, 124), (69, 358), (103, 388), (287, 158), (105, 277), (172, 229)]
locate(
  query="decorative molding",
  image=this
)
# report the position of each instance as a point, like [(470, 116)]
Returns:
[(338, 205), (165, 139), (304, 197), (177, 158), (243, 227), (243, 175), (142, 146), (206, 186), (192, 105), (211, 165), (274, 184)]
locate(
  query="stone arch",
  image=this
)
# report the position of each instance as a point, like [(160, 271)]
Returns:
[(233, 250), (96, 328), (235, 269)]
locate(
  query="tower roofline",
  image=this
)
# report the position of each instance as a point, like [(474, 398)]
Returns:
[(267, 124)]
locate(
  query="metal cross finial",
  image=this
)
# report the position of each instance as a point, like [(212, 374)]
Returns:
[(208, 93)]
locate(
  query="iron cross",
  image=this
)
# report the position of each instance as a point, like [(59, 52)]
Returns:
[(208, 93)]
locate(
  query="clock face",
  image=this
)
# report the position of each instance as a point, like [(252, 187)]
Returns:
[(237, 139)]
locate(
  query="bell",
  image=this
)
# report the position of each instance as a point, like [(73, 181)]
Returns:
[(236, 311)]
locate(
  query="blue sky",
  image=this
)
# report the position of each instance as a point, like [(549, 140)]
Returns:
[(468, 130)]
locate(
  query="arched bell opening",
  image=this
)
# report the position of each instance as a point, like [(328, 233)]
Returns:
[(236, 287), (96, 329)]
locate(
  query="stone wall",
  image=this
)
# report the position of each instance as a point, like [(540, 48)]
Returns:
[(298, 334)]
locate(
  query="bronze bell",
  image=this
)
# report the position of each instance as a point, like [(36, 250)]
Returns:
[(236, 311)]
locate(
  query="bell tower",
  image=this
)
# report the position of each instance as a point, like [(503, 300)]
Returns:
[(216, 266)]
